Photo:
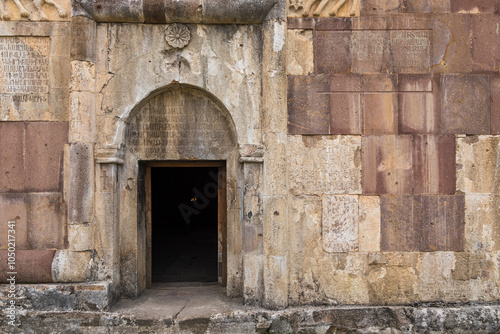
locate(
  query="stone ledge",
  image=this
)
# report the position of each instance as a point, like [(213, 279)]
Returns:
[(404, 319), (58, 297)]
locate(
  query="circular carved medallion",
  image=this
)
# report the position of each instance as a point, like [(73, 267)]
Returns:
[(177, 35)]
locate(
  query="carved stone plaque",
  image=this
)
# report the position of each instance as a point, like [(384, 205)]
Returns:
[(24, 79), (180, 124)]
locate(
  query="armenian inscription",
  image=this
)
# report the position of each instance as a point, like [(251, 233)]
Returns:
[(24, 81), (180, 124), (396, 51)]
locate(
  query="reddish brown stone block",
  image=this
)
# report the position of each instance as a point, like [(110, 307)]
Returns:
[(14, 208), (451, 44), (370, 51), (308, 105), (345, 114), (465, 104), (379, 83), (399, 230), (485, 43), (495, 105), (332, 51), (11, 157), (46, 221), (392, 22), (370, 7), (428, 6), (422, 223), (32, 266), (434, 164), (333, 23), (380, 113), (44, 155), (417, 113), (387, 164), (473, 6), (345, 83), (442, 223)]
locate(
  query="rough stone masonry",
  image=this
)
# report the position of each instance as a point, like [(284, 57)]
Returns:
[(361, 144)]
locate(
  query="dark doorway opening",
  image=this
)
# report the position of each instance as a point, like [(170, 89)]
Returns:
[(185, 224)]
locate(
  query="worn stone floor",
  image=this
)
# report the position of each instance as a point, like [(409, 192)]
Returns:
[(180, 301)]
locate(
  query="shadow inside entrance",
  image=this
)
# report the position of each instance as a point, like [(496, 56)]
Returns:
[(184, 224)]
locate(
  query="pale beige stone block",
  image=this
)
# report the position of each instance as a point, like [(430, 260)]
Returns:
[(71, 267), (369, 224), (82, 117), (83, 76), (482, 229), (340, 223), (80, 237), (478, 164), (324, 165), (300, 52)]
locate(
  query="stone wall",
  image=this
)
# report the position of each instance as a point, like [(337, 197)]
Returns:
[(393, 146), (362, 141)]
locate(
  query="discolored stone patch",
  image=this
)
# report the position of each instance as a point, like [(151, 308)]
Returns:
[(465, 102), (340, 223)]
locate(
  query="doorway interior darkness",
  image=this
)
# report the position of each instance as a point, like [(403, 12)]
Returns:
[(186, 225)]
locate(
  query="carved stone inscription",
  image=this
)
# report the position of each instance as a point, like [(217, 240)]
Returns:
[(396, 51), (180, 124), (24, 66)]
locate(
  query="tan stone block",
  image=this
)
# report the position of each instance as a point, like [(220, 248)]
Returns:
[(388, 164), (71, 267), (324, 165), (477, 164), (275, 225), (80, 166), (300, 52), (14, 208), (369, 224), (83, 33), (80, 237), (482, 230), (392, 285), (82, 117), (275, 282), (83, 76), (380, 112), (340, 223), (47, 221), (435, 281), (275, 166)]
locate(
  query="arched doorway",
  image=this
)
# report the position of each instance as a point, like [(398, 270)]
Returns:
[(178, 132)]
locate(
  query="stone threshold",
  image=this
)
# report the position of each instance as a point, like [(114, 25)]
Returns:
[(205, 309)]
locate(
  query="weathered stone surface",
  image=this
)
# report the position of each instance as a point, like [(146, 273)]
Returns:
[(14, 208), (82, 117), (71, 267), (422, 223), (380, 113), (417, 113), (82, 76), (434, 164), (395, 285), (495, 105), (485, 43), (346, 114), (340, 223), (308, 105), (324, 165), (482, 231), (80, 237), (389, 6), (12, 157), (387, 164), (369, 224), (428, 6), (473, 7), (300, 23), (477, 164), (324, 9), (299, 52), (332, 51), (465, 104), (81, 173), (60, 297), (83, 32), (44, 153), (30, 12), (451, 46), (31, 266), (47, 221), (159, 129)]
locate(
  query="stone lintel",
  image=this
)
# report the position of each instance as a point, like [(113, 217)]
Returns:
[(109, 155), (187, 11)]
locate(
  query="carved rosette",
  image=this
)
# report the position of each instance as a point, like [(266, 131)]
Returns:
[(177, 35)]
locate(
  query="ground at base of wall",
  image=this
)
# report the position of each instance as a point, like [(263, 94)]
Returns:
[(318, 320)]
